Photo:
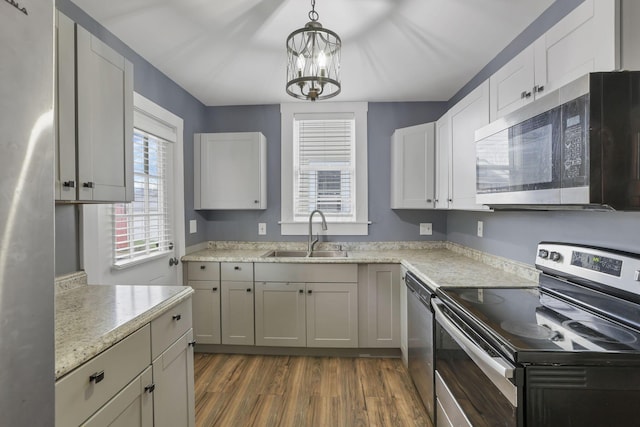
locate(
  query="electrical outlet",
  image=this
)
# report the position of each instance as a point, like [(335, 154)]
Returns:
[(262, 228), (426, 229), (480, 228), (193, 226)]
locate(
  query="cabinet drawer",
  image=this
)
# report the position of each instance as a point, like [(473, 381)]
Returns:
[(169, 327), (78, 395), (203, 270), (236, 271)]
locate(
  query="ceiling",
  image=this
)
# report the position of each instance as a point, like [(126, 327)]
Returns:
[(232, 52)]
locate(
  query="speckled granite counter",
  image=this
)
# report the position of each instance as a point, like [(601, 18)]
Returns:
[(90, 319), (436, 263)]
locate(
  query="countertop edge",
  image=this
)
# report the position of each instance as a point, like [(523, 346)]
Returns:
[(109, 339)]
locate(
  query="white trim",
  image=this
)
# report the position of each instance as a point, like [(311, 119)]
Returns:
[(288, 111), (123, 265)]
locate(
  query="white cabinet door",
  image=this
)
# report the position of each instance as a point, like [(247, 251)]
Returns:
[(230, 171), (511, 87), (383, 306), (586, 40), (332, 315), (104, 121), (280, 314), (443, 162), (131, 407), (413, 167), (404, 330), (237, 313), (65, 111), (206, 311), (471, 113), (173, 396)]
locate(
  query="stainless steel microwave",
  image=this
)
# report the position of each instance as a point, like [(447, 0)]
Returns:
[(576, 147)]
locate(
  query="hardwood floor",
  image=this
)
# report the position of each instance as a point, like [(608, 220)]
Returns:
[(296, 391)]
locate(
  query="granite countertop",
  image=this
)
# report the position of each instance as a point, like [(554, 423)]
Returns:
[(92, 318), (436, 263)]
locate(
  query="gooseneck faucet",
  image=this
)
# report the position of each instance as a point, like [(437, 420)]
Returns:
[(313, 241)]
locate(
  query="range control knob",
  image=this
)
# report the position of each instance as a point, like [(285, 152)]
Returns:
[(555, 256), (543, 253)]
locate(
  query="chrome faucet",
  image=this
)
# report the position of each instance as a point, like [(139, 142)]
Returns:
[(312, 241)]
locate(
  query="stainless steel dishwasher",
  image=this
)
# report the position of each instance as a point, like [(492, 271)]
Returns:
[(420, 330)]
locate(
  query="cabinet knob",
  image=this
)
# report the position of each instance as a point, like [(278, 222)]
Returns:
[(450, 200), (248, 289), (202, 267), (88, 184), (429, 200), (538, 88), (69, 184), (214, 289), (309, 291), (192, 343), (301, 291), (237, 268), (96, 377), (177, 317), (150, 388), (256, 201)]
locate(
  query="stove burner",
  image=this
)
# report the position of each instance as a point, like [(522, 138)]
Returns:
[(600, 331), (527, 330), (481, 297)]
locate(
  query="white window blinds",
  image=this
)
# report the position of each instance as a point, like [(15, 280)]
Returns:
[(142, 228), (324, 167)]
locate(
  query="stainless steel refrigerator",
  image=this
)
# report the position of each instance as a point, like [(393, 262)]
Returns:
[(26, 213)]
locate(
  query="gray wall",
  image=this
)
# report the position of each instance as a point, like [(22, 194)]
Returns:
[(387, 225), (515, 235), (152, 84)]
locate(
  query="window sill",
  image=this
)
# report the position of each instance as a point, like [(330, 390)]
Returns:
[(333, 229), (123, 265)]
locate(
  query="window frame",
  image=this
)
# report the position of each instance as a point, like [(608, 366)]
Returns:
[(288, 226)]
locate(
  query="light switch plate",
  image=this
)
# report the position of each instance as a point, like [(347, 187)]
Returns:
[(426, 229), (262, 228), (480, 228), (193, 226)]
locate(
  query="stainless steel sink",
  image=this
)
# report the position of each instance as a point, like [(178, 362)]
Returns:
[(303, 254)]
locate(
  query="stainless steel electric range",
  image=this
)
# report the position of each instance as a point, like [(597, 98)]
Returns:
[(564, 353)]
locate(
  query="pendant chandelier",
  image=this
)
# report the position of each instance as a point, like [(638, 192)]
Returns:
[(313, 66)]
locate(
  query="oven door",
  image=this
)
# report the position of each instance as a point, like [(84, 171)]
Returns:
[(475, 385)]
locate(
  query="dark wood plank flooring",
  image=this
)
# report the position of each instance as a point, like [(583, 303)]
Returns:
[(297, 391)]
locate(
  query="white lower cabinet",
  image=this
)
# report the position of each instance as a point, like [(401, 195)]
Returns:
[(332, 315), (379, 305), (173, 397), (404, 329), (206, 311), (236, 309), (144, 380), (132, 407), (280, 310), (306, 305)]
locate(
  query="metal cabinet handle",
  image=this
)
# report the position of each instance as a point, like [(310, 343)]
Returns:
[(88, 184), (177, 317), (69, 184), (215, 289), (429, 200), (192, 343), (237, 268), (538, 88), (301, 291), (248, 289), (310, 291), (96, 377), (202, 267), (150, 388)]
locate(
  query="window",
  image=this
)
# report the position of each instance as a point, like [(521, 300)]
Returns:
[(324, 166), (142, 228)]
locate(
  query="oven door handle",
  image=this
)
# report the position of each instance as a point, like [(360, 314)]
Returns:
[(492, 366)]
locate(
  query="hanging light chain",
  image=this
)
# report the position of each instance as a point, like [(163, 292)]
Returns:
[(313, 15)]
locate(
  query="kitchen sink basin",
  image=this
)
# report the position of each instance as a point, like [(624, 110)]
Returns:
[(303, 254)]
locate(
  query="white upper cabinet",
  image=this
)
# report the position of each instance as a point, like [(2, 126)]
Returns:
[(230, 171), (443, 162), (468, 115), (586, 40), (94, 118), (413, 167)]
